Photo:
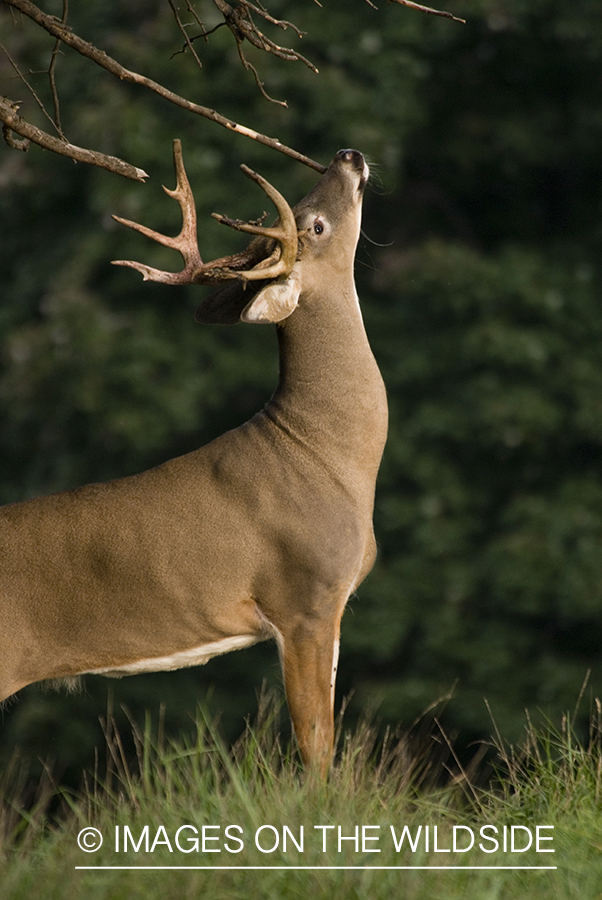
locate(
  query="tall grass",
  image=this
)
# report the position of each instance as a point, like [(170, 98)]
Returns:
[(257, 789)]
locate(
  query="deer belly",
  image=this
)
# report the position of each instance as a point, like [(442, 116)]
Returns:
[(196, 656)]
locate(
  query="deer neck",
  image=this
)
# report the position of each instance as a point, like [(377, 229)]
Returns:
[(331, 394)]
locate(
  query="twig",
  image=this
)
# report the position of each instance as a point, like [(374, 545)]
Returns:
[(51, 78), (204, 33), (195, 37), (249, 66), (427, 9), (57, 29), (14, 122), (188, 42), (30, 88), (194, 13)]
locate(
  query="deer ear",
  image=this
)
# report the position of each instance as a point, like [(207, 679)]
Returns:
[(274, 302), (261, 306)]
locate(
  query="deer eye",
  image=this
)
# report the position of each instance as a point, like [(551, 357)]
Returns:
[(318, 227)]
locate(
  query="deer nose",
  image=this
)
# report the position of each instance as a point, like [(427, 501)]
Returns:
[(352, 156), (358, 163)]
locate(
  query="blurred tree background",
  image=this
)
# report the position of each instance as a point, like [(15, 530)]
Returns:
[(479, 276)]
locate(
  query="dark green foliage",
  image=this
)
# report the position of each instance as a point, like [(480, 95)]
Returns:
[(483, 310), (490, 504)]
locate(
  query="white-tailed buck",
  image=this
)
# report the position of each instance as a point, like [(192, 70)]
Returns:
[(263, 533)]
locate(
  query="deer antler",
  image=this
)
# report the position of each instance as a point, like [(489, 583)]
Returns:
[(280, 262), (186, 242), (285, 235)]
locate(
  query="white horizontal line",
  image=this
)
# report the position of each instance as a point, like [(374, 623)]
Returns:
[(254, 868)]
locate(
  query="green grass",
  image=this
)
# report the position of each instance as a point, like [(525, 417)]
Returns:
[(552, 780)]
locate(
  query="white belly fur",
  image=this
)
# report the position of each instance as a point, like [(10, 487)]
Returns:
[(194, 657)]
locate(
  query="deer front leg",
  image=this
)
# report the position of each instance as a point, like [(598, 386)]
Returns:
[(309, 656)]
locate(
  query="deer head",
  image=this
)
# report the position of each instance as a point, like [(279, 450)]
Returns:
[(263, 283)]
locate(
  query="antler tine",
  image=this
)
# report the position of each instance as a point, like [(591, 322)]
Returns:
[(286, 234), (186, 242)]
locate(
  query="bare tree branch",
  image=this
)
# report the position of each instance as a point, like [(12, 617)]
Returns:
[(427, 9), (261, 11), (54, 27), (14, 122), (232, 16), (240, 22), (12, 141)]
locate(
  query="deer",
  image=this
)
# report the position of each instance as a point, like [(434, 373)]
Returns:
[(263, 533)]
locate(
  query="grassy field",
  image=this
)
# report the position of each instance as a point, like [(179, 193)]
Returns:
[(267, 832)]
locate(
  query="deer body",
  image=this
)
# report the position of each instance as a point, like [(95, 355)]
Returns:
[(264, 532)]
